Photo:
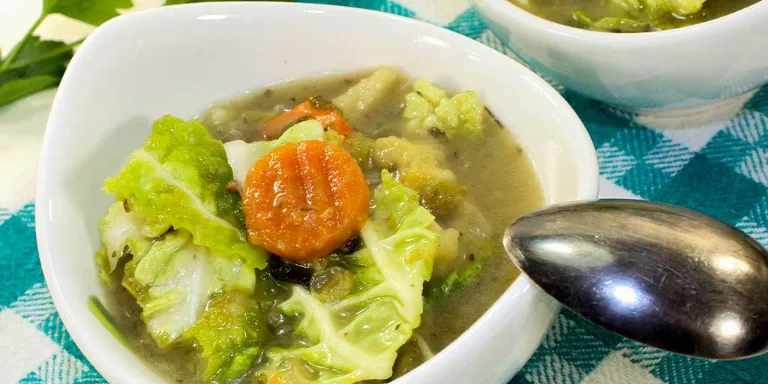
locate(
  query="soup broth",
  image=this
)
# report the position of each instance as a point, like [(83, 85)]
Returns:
[(500, 186), (631, 15)]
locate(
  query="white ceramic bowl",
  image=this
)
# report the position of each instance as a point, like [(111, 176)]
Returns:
[(709, 68), (176, 60)]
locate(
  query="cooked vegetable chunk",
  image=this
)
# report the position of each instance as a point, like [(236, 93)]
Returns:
[(360, 147), (231, 334), (686, 7), (366, 94), (315, 108), (241, 155), (479, 249), (611, 24), (304, 200), (174, 280), (429, 107), (420, 167), (179, 179), (125, 231), (356, 337), (660, 8)]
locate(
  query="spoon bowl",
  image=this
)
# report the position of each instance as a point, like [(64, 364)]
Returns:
[(665, 276)]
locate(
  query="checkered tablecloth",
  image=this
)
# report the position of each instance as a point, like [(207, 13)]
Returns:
[(721, 170)]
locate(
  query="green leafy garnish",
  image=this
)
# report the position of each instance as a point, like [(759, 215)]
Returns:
[(92, 12), (34, 65), (16, 89)]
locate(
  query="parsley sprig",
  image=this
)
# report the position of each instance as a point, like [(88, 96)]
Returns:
[(34, 65)]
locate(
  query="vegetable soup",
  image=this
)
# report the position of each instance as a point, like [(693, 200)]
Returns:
[(631, 15), (339, 229)]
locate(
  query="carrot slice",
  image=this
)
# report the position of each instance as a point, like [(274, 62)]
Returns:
[(315, 108), (304, 200)]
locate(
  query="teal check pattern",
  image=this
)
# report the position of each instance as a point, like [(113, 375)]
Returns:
[(720, 170)]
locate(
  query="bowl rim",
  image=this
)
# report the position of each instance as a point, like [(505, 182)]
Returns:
[(587, 188), (751, 13)]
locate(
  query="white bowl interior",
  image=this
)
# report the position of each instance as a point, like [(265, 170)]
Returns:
[(177, 60)]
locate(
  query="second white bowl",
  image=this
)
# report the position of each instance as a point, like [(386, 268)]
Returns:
[(704, 72)]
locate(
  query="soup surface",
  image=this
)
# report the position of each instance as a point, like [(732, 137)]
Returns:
[(444, 180), (631, 15)]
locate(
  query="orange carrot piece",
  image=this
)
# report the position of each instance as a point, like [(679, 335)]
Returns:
[(314, 108), (304, 200)]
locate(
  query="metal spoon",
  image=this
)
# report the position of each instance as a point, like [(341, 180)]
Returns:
[(658, 274)]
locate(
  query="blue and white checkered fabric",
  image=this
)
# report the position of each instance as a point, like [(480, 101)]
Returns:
[(719, 170)]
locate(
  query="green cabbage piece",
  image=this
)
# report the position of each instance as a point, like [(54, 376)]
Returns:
[(174, 280), (356, 337), (429, 107), (687, 7), (631, 7), (611, 24), (231, 335), (454, 282), (659, 8), (482, 248), (179, 179), (124, 231), (241, 155)]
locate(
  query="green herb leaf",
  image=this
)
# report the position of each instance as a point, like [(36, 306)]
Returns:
[(16, 89), (34, 65), (36, 51), (93, 12), (38, 65)]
